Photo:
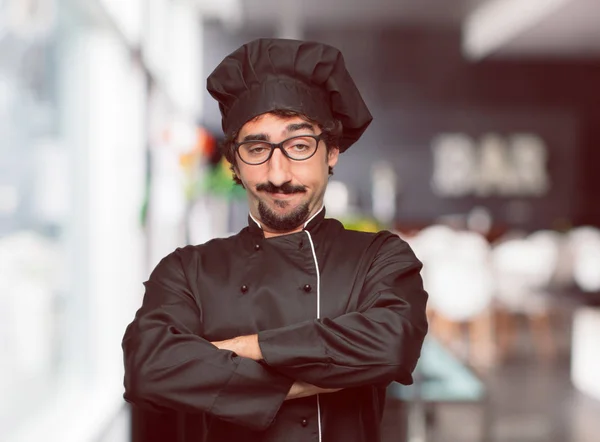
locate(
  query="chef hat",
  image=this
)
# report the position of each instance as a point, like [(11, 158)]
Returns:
[(272, 74)]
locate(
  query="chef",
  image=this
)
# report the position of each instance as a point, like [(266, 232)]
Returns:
[(291, 329)]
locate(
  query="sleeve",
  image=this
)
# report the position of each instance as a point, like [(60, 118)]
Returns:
[(377, 344), (169, 366)]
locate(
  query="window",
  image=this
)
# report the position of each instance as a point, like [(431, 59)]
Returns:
[(72, 174), (34, 207)]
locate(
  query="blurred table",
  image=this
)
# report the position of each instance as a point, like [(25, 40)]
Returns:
[(585, 349), (440, 378)]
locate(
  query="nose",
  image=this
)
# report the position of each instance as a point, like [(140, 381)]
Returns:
[(279, 168)]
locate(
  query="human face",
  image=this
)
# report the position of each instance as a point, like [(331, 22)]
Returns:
[(282, 193)]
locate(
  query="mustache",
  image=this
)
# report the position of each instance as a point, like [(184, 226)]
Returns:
[(284, 188)]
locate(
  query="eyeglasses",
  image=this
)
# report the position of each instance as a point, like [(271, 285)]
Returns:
[(298, 148)]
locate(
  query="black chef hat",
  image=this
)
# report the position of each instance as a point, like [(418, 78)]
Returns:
[(306, 77)]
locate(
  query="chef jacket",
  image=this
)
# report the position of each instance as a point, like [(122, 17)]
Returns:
[(332, 307)]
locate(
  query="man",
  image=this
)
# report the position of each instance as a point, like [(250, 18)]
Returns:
[(292, 329)]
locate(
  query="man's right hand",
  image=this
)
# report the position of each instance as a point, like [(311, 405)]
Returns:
[(302, 389)]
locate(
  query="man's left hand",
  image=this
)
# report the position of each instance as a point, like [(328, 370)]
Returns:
[(244, 346)]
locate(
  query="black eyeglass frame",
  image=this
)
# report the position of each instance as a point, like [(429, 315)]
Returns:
[(317, 138)]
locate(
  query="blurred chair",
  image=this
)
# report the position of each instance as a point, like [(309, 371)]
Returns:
[(432, 240), (585, 246), (459, 280), (523, 270), (562, 277), (582, 234)]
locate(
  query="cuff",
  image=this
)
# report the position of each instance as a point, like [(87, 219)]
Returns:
[(253, 395), (292, 346)]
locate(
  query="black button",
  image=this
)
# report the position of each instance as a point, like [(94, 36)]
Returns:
[(244, 288), (307, 288), (304, 422), (257, 247)]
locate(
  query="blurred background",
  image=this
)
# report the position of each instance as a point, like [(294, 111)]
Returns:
[(483, 155)]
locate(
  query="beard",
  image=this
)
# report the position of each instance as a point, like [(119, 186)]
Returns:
[(289, 221), (283, 223)]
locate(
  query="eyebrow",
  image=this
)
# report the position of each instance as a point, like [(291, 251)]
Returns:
[(294, 127), (256, 137)]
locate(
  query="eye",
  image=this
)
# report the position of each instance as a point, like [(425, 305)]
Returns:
[(257, 148), (300, 147)]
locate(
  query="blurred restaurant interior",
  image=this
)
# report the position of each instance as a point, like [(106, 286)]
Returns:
[(483, 156)]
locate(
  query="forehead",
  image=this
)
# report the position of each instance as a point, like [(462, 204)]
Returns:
[(272, 125)]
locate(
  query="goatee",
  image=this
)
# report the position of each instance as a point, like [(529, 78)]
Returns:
[(283, 223)]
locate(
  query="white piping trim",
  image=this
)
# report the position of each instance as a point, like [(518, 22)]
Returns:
[(319, 418), (311, 218), (254, 219), (312, 247)]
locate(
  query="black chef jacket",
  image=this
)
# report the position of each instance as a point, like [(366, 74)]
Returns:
[(332, 307)]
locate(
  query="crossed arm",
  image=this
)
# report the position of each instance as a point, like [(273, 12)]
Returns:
[(248, 347), (246, 379)]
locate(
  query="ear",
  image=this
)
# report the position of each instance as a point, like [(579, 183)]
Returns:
[(235, 171), (332, 156)]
